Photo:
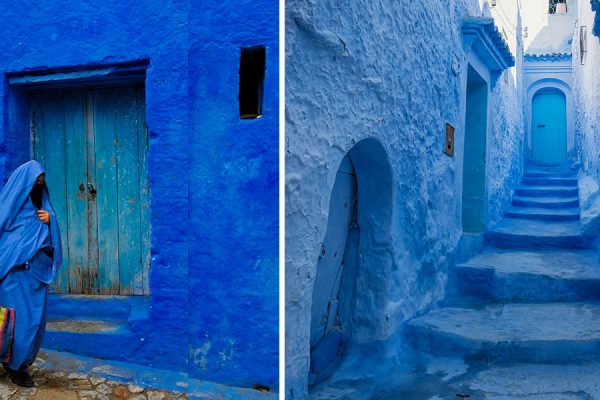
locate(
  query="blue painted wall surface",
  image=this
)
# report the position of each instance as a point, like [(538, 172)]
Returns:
[(233, 198), (396, 74), (587, 96), (213, 178)]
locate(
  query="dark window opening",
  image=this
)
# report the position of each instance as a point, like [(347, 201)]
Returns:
[(557, 7), (252, 76)]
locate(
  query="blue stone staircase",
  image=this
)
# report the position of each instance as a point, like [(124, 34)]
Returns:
[(533, 294), (544, 212), (94, 326)]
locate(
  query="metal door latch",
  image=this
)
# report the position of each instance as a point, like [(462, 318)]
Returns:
[(92, 190)]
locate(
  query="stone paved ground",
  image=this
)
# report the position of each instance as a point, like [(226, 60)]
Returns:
[(58, 385)]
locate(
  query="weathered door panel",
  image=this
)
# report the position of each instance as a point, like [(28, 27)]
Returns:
[(330, 264), (89, 283), (328, 327), (49, 149), (106, 193), (81, 275), (128, 197), (144, 204)]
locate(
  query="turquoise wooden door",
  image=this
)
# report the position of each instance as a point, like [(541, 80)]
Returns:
[(93, 145), (549, 127)]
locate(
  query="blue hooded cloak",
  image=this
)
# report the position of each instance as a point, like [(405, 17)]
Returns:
[(22, 234), (30, 254)]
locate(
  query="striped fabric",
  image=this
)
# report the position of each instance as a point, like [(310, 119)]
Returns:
[(7, 332)]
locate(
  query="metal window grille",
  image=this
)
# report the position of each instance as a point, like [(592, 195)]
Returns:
[(557, 6)]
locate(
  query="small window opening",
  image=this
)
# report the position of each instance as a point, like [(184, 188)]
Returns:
[(252, 76), (557, 7)]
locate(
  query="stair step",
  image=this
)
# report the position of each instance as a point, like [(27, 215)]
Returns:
[(95, 325), (545, 202), (548, 164), (550, 181), (550, 168), (93, 306), (550, 174), (86, 326), (545, 214), (520, 233), (546, 191), (544, 333), (524, 276), (90, 337)]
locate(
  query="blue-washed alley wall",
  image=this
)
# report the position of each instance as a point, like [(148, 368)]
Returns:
[(363, 74), (233, 198), (587, 81), (213, 179)]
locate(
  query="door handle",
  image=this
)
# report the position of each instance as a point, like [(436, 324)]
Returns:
[(92, 191), (541, 126)]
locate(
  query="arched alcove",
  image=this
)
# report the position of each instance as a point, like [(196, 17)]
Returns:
[(354, 258), (549, 125)]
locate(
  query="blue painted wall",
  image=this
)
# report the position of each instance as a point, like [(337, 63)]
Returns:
[(233, 198), (586, 98), (213, 178)]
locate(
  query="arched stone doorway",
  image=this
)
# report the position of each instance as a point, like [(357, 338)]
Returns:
[(549, 125), (354, 257)]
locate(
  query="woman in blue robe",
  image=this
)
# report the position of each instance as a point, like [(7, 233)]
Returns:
[(30, 253)]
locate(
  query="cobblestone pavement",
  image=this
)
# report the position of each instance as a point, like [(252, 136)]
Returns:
[(57, 385)]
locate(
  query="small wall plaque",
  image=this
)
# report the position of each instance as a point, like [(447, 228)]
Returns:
[(449, 149)]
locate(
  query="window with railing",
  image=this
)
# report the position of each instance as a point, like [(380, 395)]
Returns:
[(557, 6)]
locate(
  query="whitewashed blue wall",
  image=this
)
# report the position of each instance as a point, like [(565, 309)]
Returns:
[(587, 93)]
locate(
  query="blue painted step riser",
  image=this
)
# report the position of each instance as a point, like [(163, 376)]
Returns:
[(543, 217), (551, 352), (488, 286), (549, 181), (123, 345), (549, 175), (549, 164), (533, 202), (103, 307), (566, 192), (510, 241)]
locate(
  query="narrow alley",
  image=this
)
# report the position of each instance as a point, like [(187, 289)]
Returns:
[(443, 200)]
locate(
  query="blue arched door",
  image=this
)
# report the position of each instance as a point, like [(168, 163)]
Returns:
[(334, 269), (549, 126)]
